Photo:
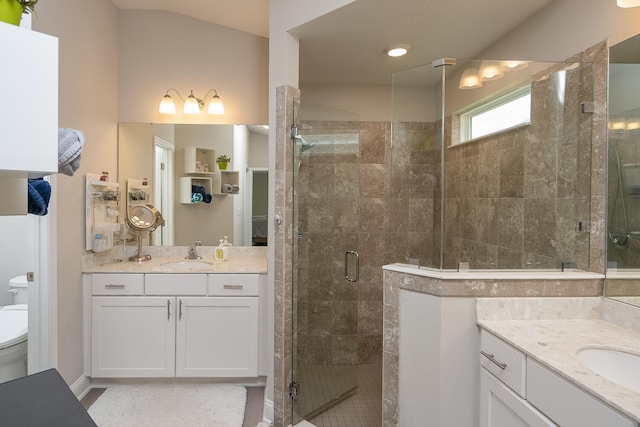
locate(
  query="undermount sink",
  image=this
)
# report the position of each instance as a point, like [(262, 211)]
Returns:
[(190, 263), (618, 366)]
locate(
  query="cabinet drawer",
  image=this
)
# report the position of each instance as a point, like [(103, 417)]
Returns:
[(514, 373), (117, 284), (234, 284), (565, 403), (175, 284)]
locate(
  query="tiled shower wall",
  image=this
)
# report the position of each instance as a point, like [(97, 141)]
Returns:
[(514, 201), (365, 202)]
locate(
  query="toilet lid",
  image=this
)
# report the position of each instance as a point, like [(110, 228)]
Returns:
[(13, 324)]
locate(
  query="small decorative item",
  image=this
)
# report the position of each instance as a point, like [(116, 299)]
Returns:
[(11, 10), (223, 162)]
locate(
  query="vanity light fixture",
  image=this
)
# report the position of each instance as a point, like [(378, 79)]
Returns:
[(628, 3), (397, 50), (513, 65), (192, 105), (470, 79), (490, 70)]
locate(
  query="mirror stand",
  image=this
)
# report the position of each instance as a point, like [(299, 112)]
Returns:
[(139, 256)]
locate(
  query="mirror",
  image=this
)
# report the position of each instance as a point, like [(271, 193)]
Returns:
[(142, 219), (623, 183), (165, 164)]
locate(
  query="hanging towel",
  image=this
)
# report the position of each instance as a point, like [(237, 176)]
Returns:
[(39, 193), (70, 143)]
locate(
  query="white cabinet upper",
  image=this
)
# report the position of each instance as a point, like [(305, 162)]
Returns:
[(165, 325), (29, 103)]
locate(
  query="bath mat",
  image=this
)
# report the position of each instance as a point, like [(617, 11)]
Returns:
[(211, 405)]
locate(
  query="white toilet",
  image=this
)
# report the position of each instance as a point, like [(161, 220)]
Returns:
[(13, 332)]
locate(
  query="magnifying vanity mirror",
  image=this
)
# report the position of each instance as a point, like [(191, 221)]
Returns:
[(165, 164), (140, 220), (623, 189)]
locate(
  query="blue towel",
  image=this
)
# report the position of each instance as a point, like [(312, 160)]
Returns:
[(206, 197), (70, 143), (39, 193)]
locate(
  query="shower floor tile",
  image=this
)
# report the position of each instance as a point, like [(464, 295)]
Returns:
[(362, 409)]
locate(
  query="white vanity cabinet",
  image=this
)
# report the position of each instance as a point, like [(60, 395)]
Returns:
[(516, 390), (165, 325), (503, 387), (132, 337)]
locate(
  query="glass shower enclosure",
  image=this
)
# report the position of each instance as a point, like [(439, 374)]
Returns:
[(325, 144)]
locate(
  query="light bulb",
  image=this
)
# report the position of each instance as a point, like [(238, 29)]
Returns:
[(216, 106), (167, 106), (191, 105)]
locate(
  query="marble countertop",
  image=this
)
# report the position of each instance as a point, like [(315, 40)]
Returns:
[(555, 342), (156, 265)]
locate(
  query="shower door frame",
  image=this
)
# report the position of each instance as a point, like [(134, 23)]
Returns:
[(341, 363)]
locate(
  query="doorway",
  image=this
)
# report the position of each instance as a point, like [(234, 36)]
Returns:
[(163, 191)]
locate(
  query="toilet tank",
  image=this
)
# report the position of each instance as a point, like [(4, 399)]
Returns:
[(18, 287)]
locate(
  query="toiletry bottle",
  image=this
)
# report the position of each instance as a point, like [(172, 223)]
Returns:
[(221, 252), (97, 242), (105, 177), (226, 242)]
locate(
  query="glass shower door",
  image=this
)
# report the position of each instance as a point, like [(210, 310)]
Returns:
[(325, 144)]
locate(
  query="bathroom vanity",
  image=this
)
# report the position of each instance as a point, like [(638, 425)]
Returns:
[(531, 374), (172, 318)]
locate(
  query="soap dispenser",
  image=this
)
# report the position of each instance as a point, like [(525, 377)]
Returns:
[(221, 252), (226, 242)]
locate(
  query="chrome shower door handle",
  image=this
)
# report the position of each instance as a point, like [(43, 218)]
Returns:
[(347, 256)]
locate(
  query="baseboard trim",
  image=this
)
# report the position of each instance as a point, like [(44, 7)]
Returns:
[(268, 411), (81, 387)]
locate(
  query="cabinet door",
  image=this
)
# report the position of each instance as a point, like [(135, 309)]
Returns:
[(501, 407), (29, 106), (217, 337), (133, 337)]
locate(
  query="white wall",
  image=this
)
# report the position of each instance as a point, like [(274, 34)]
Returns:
[(88, 87)]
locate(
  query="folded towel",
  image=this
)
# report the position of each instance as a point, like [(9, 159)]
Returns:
[(39, 193), (235, 189), (70, 143), (207, 198), (227, 188)]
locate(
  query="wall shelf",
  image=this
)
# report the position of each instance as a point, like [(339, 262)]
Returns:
[(101, 211), (186, 183), (203, 156), (223, 179)]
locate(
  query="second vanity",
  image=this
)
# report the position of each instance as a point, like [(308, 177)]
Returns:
[(171, 317), (531, 374)]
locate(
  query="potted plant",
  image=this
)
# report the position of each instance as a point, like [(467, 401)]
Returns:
[(223, 162), (11, 10)]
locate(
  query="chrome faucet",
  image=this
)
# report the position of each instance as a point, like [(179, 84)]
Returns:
[(193, 252)]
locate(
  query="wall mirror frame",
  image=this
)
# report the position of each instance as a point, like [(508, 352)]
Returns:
[(623, 173), (164, 164)]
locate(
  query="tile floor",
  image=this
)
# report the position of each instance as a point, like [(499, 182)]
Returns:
[(363, 408)]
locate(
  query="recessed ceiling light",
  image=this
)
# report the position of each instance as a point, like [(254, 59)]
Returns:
[(397, 50)]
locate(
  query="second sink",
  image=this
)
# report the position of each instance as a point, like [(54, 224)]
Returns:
[(618, 366)]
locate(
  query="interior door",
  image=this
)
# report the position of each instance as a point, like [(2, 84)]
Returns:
[(325, 144)]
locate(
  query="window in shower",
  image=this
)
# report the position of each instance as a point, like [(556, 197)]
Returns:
[(498, 114)]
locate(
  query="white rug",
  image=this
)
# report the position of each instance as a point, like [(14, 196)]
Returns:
[(210, 405)]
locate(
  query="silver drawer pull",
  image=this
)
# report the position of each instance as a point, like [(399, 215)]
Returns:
[(492, 359), (115, 286), (233, 286)]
